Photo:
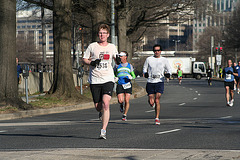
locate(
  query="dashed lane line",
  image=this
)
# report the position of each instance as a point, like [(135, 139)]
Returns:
[(174, 130), (195, 98), (226, 117), (182, 104), (2, 131), (150, 111)]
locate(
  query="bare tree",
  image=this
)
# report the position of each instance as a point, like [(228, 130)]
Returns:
[(8, 71)]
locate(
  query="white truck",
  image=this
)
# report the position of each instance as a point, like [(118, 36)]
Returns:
[(189, 67)]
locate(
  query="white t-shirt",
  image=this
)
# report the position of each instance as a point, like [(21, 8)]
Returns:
[(156, 68), (103, 72)]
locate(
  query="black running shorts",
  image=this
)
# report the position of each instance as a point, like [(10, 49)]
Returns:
[(120, 89), (230, 84), (98, 90)]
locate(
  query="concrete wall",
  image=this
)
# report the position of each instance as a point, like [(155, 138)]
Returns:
[(41, 82)]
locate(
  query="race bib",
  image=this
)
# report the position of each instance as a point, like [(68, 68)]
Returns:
[(103, 66), (228, 76), (155, 76), (126, 86)]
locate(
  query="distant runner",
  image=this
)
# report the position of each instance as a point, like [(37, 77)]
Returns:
[(153, 70), (209, 75), (229, 72), (180, 74)]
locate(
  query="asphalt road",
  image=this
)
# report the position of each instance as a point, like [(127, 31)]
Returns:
[(193, 116)]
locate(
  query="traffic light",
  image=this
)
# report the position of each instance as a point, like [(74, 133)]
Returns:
[(217, 50), (221, 50)]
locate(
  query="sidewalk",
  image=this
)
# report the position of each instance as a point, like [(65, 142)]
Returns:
[(37, 112), (120, 154)]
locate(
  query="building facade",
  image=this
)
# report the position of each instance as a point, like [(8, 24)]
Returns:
[(222, 9)]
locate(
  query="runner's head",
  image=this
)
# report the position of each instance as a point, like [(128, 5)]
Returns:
[(123, 56), (229, 63), (157, 50), (103, 32)]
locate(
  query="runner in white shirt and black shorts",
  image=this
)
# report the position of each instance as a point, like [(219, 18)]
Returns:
[(99, 56), (154, 69)]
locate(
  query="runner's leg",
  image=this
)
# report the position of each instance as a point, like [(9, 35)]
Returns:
[(127, 98), (106, 110), (151, 98), (157, 103)]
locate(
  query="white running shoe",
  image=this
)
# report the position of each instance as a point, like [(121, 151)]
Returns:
[(228, 103), (157, 121), (231, 103), (103, 134)]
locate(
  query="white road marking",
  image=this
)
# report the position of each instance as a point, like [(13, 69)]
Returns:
[(194, 98), (35, 123), (199, 94), (190, 89), (2, 131), (226, 117), (150, 111), (183, 87), (182, 104), (196, 91), (175, 130)]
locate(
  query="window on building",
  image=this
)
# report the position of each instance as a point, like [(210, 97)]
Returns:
[(33, 26), (40, 37), (200, 30), (50, 37), (200, 24), (50, 31), (50, 42), (28, 26), (23, 26), (51, 48), (18, 27)]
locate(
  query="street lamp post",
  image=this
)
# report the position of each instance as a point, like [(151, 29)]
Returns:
[(176, 45)]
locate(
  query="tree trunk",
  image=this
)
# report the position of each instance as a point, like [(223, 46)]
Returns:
[(99, 16), (63, 84), (124, 43), (8, 68)]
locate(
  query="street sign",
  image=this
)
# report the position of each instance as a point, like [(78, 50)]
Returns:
[(219, 59)]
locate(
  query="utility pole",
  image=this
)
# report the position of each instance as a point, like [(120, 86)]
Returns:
[(113, 22), (212, 45), (43, 33)]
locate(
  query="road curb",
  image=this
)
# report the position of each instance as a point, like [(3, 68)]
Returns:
[(38, 112)]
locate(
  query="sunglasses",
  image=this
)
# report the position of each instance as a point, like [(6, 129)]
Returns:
[(156, 50)]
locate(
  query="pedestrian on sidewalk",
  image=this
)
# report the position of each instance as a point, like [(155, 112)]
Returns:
[(180, 74), (19, 71), (99, 56), (124, 74), (153, 69), (229, 72)]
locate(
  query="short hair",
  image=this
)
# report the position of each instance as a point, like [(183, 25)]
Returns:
[(104, 26), (157, 45)]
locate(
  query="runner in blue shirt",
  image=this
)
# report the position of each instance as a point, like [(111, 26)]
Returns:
[(124, 74), (238, 70), (229, 72)]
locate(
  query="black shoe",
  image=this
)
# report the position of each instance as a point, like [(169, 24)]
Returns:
[(100, 116)]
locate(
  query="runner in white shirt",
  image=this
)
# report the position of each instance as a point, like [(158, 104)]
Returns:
[(154, 69), (99, 56)]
